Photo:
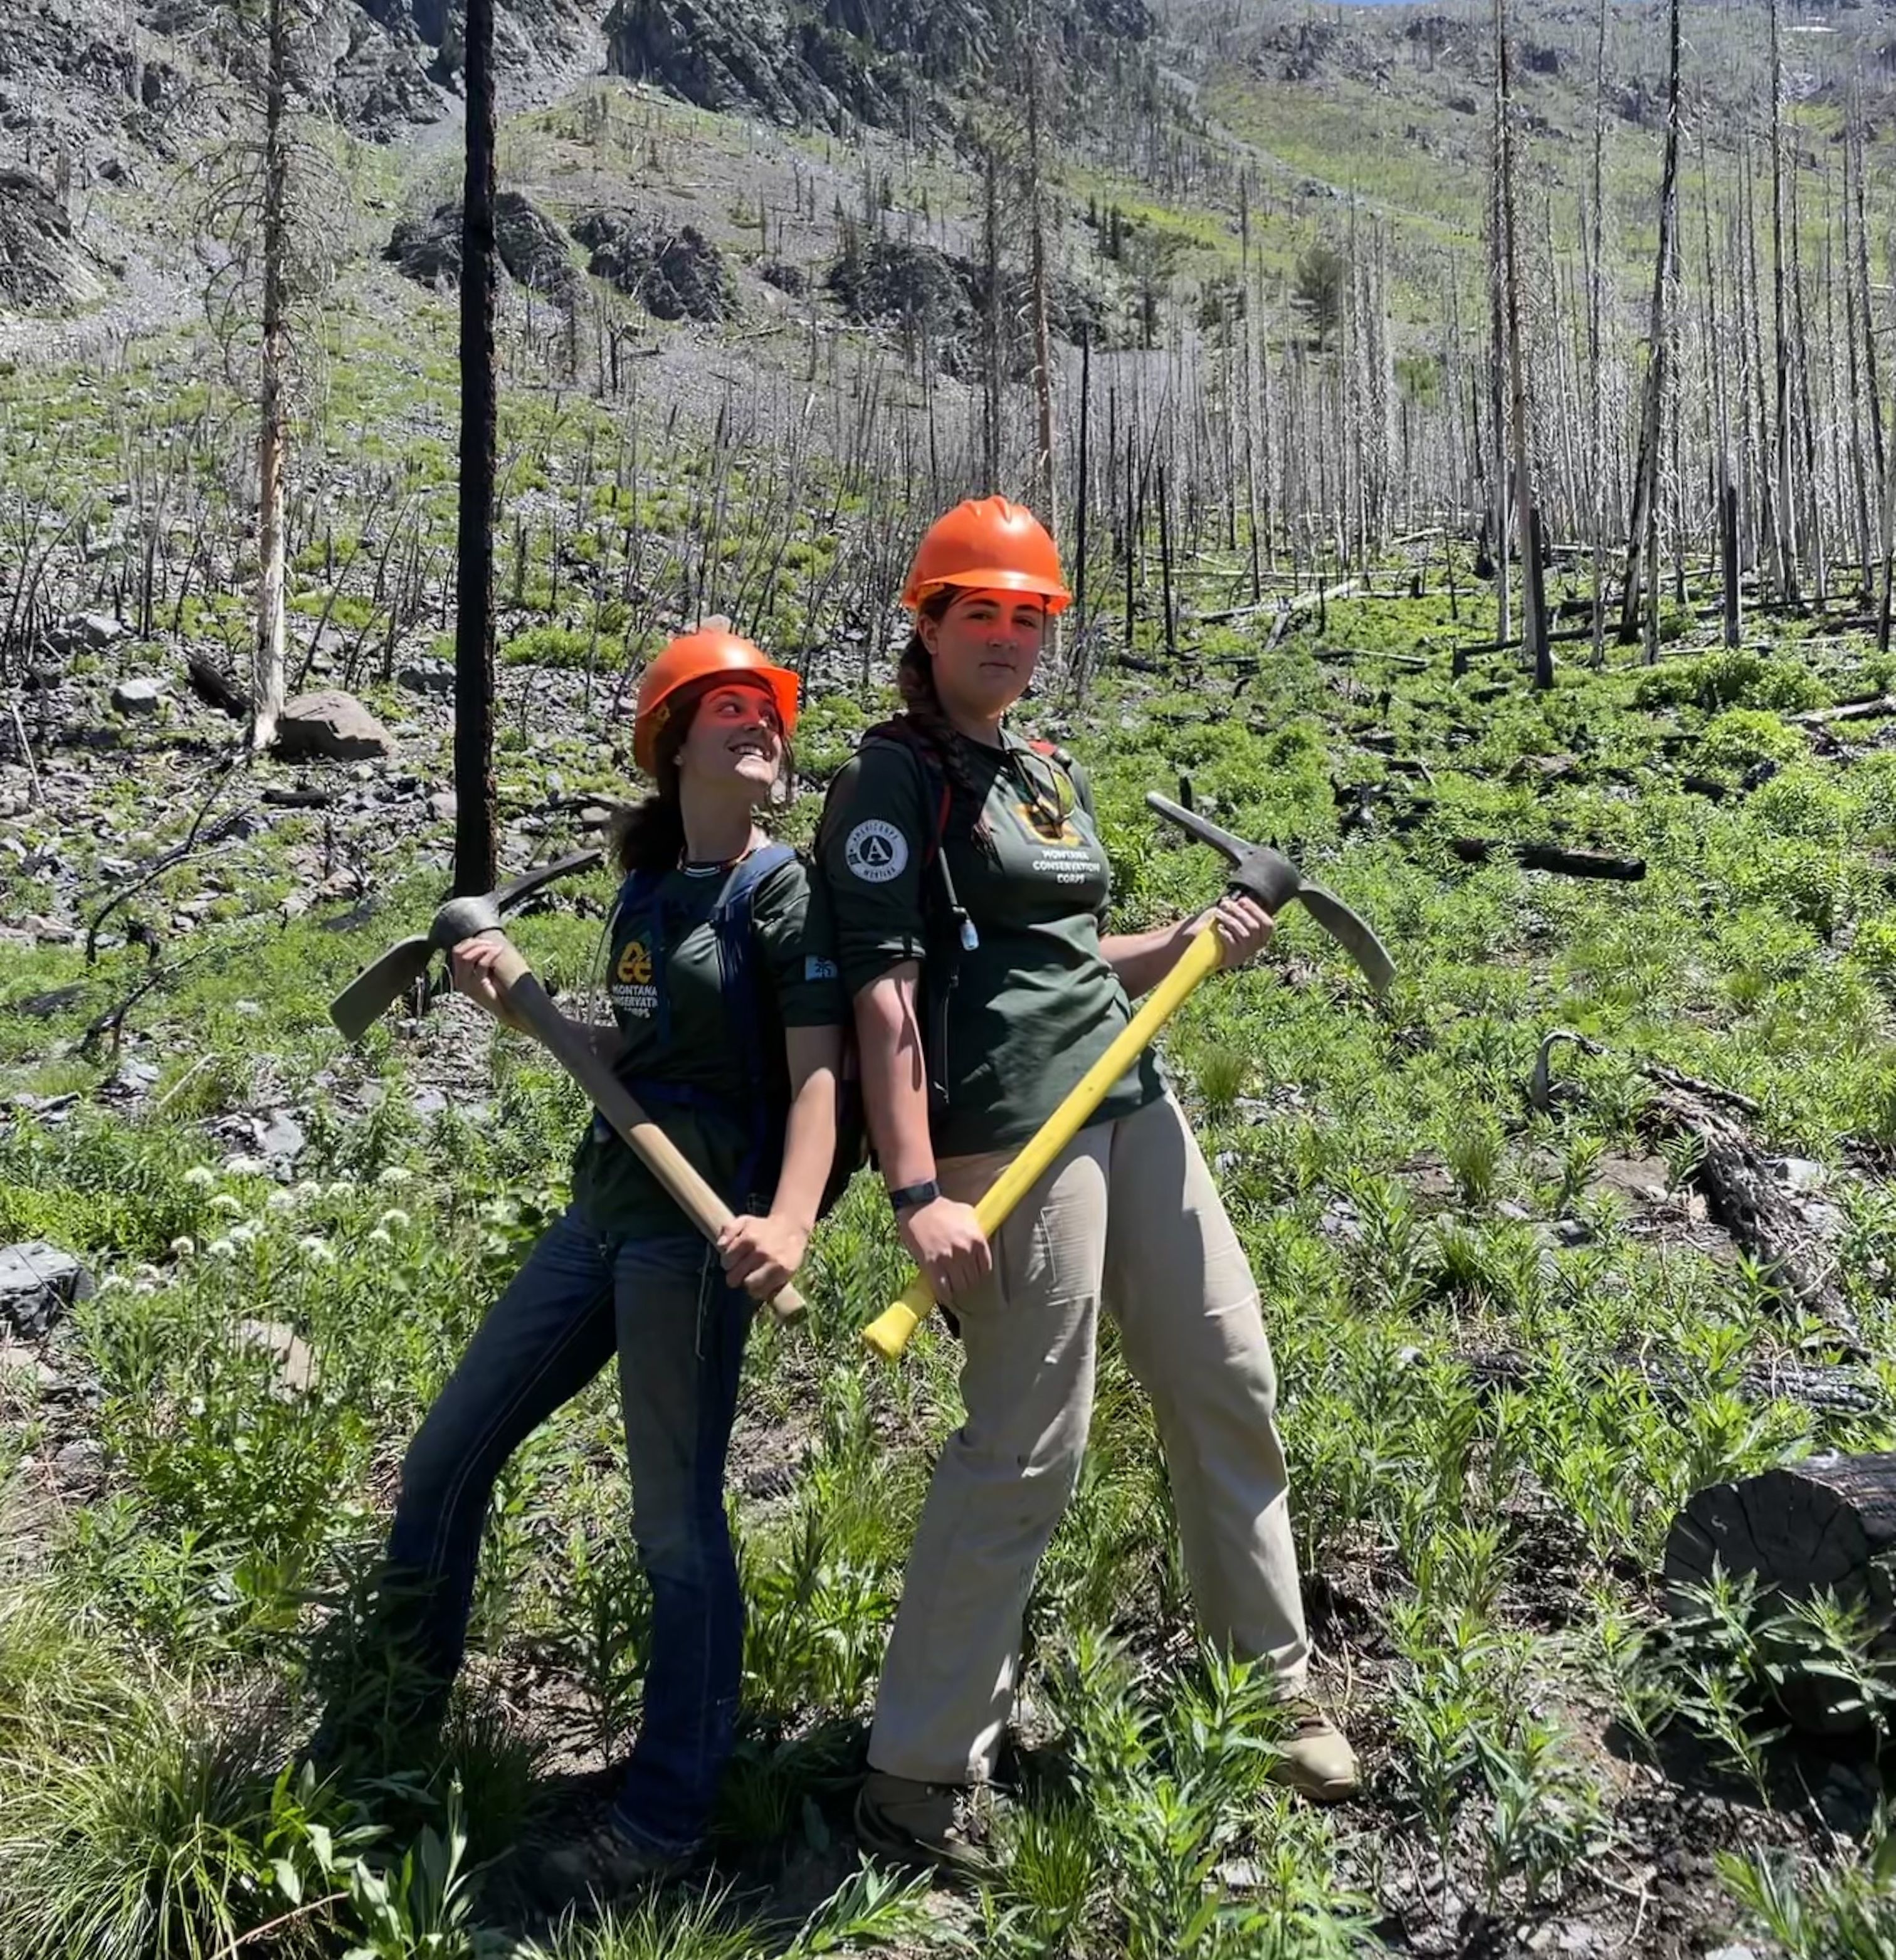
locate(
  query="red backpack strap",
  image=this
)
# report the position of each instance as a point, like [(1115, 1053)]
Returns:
[(927, 757)]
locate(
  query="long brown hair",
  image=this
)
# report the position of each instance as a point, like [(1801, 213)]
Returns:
[(651, 835)]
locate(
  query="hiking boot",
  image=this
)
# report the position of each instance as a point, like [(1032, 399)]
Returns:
[(1314, 1755), (941, 1824), (605, 1860)]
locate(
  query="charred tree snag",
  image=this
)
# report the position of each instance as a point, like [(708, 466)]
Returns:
[(1827, 1524)]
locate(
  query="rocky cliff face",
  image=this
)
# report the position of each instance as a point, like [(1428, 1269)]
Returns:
[(831, 62)]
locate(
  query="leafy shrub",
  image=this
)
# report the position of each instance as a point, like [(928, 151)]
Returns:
[(1736, 677), (1741, 736)]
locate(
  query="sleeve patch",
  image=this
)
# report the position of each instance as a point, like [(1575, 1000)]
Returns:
[(817, 968), (876, 851)]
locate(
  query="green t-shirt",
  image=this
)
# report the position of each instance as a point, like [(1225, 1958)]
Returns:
[(682, 1057), (1034, 1005)]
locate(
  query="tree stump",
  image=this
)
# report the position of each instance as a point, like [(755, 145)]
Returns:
[(1825, 1524)]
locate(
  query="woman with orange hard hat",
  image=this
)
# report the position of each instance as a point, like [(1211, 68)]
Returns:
[(970, 890), (726, 1026)]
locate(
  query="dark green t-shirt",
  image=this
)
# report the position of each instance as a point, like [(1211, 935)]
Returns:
[(682, 1056), (1034, 1005)]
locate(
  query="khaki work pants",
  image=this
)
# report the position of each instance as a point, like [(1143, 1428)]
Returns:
[(1127, 1216)]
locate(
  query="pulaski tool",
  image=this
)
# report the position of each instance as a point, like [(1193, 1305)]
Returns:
[(1259, 873), (379, 985)]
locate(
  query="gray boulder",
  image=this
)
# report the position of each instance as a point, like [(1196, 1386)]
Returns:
[(531, 246), (38, 1284), (426, 676), (140, 695), (333, 726), (674, 274)]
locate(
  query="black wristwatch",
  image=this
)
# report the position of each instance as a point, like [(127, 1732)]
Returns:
[(911, 1195)]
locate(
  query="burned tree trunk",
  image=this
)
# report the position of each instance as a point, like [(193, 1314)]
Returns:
[(476, 866), (1827, 1524), (1642, 543)]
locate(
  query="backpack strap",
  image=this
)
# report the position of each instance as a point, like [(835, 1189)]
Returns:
[(938, 793), (733, 921)]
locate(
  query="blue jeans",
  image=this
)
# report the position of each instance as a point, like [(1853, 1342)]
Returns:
[(678, 1331)]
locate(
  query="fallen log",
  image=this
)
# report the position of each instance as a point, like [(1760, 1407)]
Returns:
[(212, 685), (1742, 1190), (1565, 634), (1826, 1524), (1549, 858), (1851, 710), (1824, 1390), (1418, 662)]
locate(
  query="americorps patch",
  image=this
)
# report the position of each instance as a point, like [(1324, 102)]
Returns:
[(876, 851)]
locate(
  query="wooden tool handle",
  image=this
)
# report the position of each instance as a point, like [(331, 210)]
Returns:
[(615, 1102), (888, 1333)]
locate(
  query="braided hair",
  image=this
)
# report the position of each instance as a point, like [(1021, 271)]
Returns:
[(921, 706)]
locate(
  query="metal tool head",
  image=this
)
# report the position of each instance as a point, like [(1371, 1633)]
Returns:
[(1270, 878), (384, 981)]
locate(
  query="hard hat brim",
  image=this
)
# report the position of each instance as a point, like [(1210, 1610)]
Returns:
[(993, 578)]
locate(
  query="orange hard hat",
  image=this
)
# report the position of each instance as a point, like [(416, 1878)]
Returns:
[(988, 545), (690, 663)]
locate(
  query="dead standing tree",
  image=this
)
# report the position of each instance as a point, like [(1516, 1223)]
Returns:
[(1642, 547), (1527, 518), (275, 202), (475, 862)]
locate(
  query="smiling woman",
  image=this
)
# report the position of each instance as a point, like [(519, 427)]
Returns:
[(727, 1017)]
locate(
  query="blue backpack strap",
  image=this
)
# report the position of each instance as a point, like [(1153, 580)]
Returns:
[(637, 894), (734, 923)]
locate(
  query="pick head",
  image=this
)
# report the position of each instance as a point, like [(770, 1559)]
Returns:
[(367, 997)]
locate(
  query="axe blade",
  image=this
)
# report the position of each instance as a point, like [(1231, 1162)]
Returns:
[(364, 999), (1352, 933)]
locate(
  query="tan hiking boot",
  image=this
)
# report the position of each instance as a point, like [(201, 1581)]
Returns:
[(944, 1825), (1314, 1755)]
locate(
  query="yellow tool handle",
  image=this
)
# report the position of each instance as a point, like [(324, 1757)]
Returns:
[(616, 1103), (889, 1332)]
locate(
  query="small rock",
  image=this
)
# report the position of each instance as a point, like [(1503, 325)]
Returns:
[(281, 1139), (444, 807), (17, 1360), (81, 1465), (427, 1102), (1802, 1174), (99, 630), (38, 1283), (295, 1364), (1573, 1231), (426, 676), (1735, 1952), (333, 725), (140, 695), (139, 1074)]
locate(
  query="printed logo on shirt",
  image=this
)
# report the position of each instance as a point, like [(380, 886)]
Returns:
[(1042, 829), (633, 992), (816, 968), (876, 851)]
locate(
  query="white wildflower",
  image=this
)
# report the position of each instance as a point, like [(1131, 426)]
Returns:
[(243, 1167), (341, 1188), (393, 1220), (396, 1174), (182, 1247), (317, 1249), (200, 1176), (231, 1207), (247, 1233), (219, 1248), (379, 1237)]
